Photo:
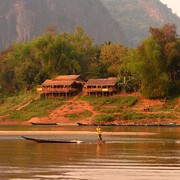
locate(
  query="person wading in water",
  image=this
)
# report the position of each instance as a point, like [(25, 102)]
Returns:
[(98, 129)]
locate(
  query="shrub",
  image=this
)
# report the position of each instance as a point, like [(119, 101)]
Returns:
[(131, 115), (103, 117)]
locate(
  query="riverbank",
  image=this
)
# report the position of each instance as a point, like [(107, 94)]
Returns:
[(131, 109)]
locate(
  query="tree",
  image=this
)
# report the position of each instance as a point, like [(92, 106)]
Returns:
[(46, 56), (83, 46), (26, 74), (128, 83), (80, 40), (148, 64), (156, 61), (6, 72), (21, 61), (56, 54), (168, 40), (112, 56)]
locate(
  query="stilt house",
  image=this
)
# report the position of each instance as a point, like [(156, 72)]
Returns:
[(100, 87), (63, 85)]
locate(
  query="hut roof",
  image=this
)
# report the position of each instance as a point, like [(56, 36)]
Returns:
[(67, 77), (64, 80), (49, 82), (108, 81)]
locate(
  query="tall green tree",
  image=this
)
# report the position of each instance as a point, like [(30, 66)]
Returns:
[(112, 56), (56, 54), (153, 75), (155, 61), (168, 40), (84, 48)]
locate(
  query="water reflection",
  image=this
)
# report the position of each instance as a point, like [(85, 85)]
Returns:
[(124, 157)]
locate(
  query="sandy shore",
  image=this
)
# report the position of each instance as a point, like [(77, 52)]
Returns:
[(25, 133)]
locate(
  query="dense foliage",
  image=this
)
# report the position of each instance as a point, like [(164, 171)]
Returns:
[(27, 64), (157, 61), (154, 66)]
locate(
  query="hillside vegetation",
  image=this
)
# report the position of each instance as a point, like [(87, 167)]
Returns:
[(121, 108), (152, 69)]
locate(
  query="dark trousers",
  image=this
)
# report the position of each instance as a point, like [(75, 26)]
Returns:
[(100, 137)]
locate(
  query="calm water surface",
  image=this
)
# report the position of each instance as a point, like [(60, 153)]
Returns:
[(123, 157)]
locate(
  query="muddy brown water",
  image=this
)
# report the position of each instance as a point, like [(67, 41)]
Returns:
[(130, 153)]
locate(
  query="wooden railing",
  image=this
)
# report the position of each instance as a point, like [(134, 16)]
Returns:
[(111, 89), (58, 90)]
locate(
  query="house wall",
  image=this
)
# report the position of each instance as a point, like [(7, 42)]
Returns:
[(99, 90)]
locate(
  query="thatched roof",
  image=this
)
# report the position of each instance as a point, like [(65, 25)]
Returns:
[(67, 77), (104, 82), (49, 82), (63, 80)]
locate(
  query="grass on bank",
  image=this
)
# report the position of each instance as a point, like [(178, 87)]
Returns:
[(121, 107), (98, 102), (81, 115), (109, 108), (12, 103), (35, 108), (39, 108), (112, 108)]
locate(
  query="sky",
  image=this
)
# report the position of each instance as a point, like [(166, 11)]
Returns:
[(174, 5)]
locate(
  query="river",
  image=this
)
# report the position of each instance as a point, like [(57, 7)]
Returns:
[(139, 153)]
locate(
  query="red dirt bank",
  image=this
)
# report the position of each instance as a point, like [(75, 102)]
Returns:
[(73, 106)]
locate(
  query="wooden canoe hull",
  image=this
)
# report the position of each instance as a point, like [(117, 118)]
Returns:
[(130, 124), (42, 124), (39, 140)]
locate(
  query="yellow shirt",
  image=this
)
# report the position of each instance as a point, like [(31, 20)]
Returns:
[(98, 129)]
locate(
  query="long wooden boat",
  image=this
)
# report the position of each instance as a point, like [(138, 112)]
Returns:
[(82, 124), (44, 123), (99, 124), (39, 140), (128, 124)]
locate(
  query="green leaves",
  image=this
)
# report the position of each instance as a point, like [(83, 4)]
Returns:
[(153, 66), (128, 83), (155, 60), (44, 57), (112, 56)]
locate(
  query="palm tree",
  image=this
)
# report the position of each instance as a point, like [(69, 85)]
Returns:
[(128, 83)]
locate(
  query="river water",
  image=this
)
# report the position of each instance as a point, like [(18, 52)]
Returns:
[(132, 155)]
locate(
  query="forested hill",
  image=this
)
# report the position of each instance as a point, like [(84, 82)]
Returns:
[(20, 20), (124, 21), (136, 16)]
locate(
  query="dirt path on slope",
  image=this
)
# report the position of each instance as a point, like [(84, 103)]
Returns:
[(71, 107)]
